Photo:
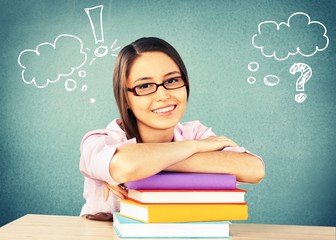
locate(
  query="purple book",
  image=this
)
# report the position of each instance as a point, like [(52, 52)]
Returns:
[(185, 181)]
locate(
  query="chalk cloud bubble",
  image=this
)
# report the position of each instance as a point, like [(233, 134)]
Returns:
[(50, 61), (285, 39)]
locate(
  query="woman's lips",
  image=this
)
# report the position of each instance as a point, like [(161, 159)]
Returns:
[(163, 110)]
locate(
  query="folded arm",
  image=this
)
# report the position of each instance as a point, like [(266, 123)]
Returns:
[(246, 167), (136, 161)]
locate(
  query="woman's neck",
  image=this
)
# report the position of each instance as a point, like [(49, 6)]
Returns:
[(157, 136)]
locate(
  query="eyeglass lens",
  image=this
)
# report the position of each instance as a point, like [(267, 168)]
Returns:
[(148, 88)]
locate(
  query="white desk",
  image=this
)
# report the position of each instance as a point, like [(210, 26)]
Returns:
[(49, 227)]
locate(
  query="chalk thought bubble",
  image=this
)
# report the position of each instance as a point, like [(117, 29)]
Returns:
[(50, 61), (299, 35)]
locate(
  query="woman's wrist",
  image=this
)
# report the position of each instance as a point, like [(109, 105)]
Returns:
[(194, 146)]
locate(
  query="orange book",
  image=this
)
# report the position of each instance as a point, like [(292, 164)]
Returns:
[(195, 212)]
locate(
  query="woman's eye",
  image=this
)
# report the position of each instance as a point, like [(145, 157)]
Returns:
[(144, 86), (173, 80)]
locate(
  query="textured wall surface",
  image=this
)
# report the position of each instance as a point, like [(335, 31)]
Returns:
[(56, 85)]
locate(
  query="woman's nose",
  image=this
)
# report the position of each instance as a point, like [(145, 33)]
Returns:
[(162, 93)]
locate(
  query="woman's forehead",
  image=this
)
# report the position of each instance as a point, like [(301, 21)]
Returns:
[(152, 65)]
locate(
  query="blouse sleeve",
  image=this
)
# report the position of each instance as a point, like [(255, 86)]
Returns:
[(202, 132), (97, 149)]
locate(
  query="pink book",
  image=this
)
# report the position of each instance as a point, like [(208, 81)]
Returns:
[(181, 180)]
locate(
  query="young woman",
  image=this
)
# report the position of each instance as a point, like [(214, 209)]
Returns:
[(151, 88)]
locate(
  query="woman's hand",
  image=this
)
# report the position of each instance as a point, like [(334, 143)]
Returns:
[(215, 143), (118, 190)]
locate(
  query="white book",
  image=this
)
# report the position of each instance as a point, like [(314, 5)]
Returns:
[(188, 196), (130, 228)]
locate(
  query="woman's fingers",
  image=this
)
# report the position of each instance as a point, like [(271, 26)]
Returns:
[(215, 143), (101, 216), (106, 191), (228, 142), (115, 189)]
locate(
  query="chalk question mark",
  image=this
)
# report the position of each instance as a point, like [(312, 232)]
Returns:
[(306, 73)]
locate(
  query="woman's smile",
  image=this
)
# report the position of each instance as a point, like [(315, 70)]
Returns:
[(164, 111)]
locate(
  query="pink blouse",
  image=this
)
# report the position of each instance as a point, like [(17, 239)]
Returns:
[(97, 149)]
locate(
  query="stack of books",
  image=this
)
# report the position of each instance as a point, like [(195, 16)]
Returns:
[(172, 204)]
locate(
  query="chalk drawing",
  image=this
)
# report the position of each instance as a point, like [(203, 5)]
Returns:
[(114, 49), (70, 85), (35, 62), (271, 80), (299, 35), (251, 80), (98, 34), (95, 15), (50, 61), (84, 88), (81, 73), (253, 66), (271, 33), (306, 73)]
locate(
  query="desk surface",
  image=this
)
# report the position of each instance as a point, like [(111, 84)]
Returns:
[(65, 227)]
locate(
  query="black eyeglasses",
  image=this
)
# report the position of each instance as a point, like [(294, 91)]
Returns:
[(149, 88)]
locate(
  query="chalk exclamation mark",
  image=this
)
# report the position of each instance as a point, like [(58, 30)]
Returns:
[(95, 15)]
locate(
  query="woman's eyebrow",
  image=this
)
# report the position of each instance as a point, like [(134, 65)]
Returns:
[(142, 79), (171, 73), (148, 78)]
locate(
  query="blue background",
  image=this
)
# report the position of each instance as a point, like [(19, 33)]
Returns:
[(42, 127)]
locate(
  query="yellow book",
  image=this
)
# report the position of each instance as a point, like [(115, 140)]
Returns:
[(195, 212)]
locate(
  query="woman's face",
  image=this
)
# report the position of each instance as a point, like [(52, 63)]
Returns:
[(163, 109)]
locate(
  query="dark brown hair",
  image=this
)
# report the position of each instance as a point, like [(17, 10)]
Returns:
[(122, 66)]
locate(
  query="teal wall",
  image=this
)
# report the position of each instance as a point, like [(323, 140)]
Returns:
[(43, 122)]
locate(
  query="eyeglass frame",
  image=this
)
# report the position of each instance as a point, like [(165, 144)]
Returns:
[(132, 90)]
